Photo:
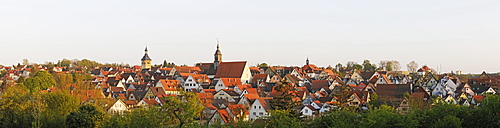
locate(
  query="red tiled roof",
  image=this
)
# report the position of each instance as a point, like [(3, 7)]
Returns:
[(230, 69), (231, 82)]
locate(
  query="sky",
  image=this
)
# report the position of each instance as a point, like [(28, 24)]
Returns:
[(447, 35)]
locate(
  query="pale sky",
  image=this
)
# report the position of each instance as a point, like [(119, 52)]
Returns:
[(452, 34)]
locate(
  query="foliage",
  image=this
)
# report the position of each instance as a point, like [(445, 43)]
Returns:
[(168, 65), (282, 118), (186, 107), (142, 117), (412, 66), (87, 116), (41, 81), (338, 119), (263, 65), (374, 101), (58, 105), (15, 108), (286, 100), (368, 67), (62, 79)]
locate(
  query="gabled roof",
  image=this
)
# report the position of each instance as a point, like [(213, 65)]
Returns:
[(265, 103), (366, 75), (231, 69), (318, 84), (150, 101), (230, 92), (205, 96), (393, 90), (181, 69), (224, 115), (259, 77), (231, 82)]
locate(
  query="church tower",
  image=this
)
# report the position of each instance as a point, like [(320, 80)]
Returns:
[(217, 57), (146, 61)]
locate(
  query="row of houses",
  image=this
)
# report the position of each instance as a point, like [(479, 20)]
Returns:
[(232, 91)]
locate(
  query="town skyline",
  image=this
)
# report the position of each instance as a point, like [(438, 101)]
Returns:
[(444, 35)]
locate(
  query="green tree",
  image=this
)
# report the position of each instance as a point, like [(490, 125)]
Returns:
[(338, 119), (382, 117), (286, 100), (185, 107), (15, 107), (389, 66), (42, 80), (282, 119), (87, 116), (58, 105), (63, 79), (263, 65), (374, 101), (368, 67), (448, 121)]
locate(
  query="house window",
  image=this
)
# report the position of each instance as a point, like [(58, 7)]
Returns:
[(254, 113), (260, 107), (307, 110), (254, 107), (261, 113)]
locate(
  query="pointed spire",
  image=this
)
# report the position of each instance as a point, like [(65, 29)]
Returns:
[(307, 60), (217, 43), (146, 56)]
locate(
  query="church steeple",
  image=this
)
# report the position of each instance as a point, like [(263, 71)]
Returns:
[(217, 56), (307, 61), (146, 61)]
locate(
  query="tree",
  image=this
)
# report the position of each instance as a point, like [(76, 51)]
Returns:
[(286, 100), (282, 118), (42, 80), (383, 65), (58, 105), (412, 66), (389, 66), (338, 119), (395, 65), (368, 67), (263, 65), (63, 79), (15, 107), (185, 107), (374, 101), (339, 67), (382, 117), (87, 116), (26, 62)]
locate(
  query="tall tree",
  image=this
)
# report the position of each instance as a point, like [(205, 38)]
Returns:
[(286, 100), (412, 66), (42, 80), (58, 105), (338, 119), (395, 65), (26, 62), (186, 107), (383, 65), (263, 65), (282, 118), (87, 116), (368, 67), (15, 107)]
